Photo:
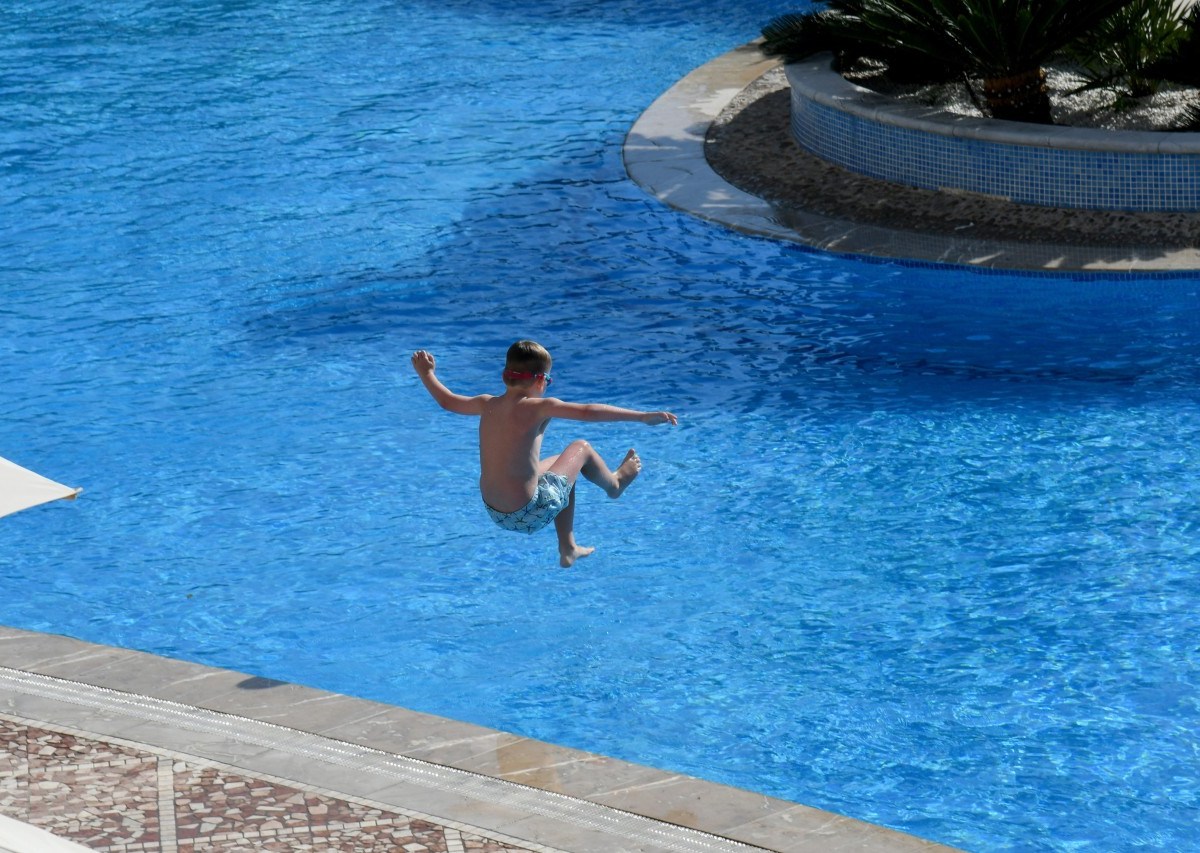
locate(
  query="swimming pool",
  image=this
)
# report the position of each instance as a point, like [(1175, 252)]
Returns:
[(921, 551)]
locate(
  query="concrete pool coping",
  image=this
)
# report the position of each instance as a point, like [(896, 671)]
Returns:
[(523, 792), (665, 153)]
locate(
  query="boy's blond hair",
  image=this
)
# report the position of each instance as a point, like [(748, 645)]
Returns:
[(528, 357)]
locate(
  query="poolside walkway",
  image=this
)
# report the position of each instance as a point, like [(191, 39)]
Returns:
[(118, 750)]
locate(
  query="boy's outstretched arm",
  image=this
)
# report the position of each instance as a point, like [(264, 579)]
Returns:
[(600, 412), (423, 362)]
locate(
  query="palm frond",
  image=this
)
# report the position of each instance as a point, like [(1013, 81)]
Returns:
[(1005, 42), (1189, 122)]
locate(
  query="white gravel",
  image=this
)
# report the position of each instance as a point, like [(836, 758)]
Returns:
[(1094, 108)]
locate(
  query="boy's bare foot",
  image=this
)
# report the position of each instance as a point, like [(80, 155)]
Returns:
[(627, 472), (566, 559)]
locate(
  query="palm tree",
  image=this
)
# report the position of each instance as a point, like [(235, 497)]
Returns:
[(1004, 42), (1129, 51)]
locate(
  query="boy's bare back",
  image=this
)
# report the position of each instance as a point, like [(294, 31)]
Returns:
[(510, 449)]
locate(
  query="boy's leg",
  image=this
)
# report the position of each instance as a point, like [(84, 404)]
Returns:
[(579, 457), (564, 525)]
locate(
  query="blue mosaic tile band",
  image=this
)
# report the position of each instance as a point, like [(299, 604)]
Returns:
[(1031, 174)]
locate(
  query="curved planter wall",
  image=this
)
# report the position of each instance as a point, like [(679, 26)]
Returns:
[(875, 135)]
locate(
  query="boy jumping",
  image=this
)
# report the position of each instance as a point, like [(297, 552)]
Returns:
[(520, 490)]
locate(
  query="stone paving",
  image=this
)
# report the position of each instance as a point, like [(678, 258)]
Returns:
[(128, 798)]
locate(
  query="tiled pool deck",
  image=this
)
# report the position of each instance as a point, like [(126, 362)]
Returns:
[(118, 750)]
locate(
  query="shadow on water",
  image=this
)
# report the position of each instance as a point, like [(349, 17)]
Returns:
[(579, 257), (570, 251)]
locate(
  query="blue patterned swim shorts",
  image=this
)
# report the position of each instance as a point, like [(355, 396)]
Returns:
[(553, 495)]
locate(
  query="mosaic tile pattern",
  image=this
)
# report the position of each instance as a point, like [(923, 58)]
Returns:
[(124, 799), (1028, 173)]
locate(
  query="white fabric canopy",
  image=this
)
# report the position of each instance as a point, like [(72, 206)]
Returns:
[(20, 488)]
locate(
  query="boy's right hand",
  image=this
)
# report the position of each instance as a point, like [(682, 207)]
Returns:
[(423, 362), (656, 418)]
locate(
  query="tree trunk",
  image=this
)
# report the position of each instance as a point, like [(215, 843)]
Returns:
[(1019, 97)]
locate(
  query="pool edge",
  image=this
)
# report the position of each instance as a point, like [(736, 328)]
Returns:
[(543, 770), (664, 154)]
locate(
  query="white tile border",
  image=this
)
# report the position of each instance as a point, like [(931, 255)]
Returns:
[(817, 81)]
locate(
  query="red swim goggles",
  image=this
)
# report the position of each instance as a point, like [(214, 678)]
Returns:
[(522, 375)]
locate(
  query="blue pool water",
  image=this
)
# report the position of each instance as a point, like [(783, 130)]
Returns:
[(923, 549)]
